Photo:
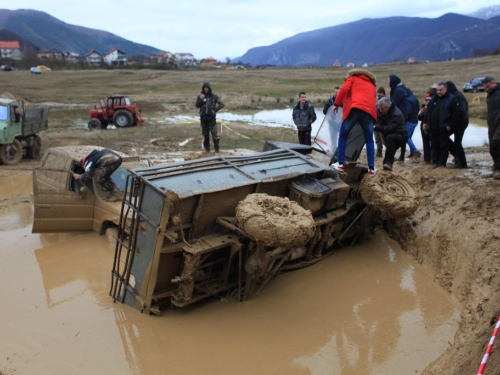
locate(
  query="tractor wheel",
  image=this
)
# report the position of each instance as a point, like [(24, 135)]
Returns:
[(33, 152), (123, 118), (94, 124), (11, 153)]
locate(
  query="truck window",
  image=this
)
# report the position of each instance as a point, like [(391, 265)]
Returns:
[(4, 113)]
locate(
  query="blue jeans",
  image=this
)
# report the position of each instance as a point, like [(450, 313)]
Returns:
[(410, 127), (357, 116)]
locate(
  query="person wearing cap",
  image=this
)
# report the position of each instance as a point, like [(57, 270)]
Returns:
[(493, 119), (209, 104), (109, 161)]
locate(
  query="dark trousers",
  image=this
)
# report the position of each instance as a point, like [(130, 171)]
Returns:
[(426, 142), (392, 143), (305, 137), (107, 170), (494, 139), (455, 146), (440, 146), (207, 127)]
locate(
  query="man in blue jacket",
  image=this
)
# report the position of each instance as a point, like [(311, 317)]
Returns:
[(398, 98), (303, 116)]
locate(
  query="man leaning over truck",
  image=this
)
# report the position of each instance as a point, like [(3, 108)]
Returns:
[(108, 160)]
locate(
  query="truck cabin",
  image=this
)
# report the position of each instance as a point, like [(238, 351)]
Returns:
[(10, 111)]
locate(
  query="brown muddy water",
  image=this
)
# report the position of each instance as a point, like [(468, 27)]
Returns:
[(368, 309)]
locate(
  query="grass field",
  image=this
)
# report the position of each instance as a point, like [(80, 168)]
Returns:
[(72, 94)]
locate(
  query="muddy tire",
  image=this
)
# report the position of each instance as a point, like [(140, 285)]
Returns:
[(123, 118), (33, 152), (11, 153), (275, 221), (392, 195), (94, 124)]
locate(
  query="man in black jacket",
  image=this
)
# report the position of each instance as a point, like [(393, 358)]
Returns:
[(493, 118), (108, 160), (209, 104), (456, 148), (392, 125), (330, 101), (303, 116), (441, 119)]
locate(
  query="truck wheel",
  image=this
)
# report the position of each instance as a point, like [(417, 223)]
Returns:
[(392, 195), (94, 124), (123, 118), (11, 153), (33, 152)]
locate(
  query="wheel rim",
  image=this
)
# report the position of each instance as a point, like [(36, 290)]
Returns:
[(121, 120), (10, 152)]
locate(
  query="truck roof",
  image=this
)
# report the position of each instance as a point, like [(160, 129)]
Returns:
[(5, 101)]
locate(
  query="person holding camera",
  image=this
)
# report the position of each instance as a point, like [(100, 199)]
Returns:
[(209, 104)]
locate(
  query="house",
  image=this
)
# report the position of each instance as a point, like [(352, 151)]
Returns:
[(93, 58), (336, 64), (51, 54), (411, 60), (350, 65), (185, 59), (365, 65), (72, 57), (208, 63), (11, 50), (164, 57), (115, 57)]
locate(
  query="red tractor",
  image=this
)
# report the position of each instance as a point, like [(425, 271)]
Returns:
[(118, 111)]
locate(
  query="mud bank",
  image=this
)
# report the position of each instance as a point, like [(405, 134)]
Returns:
[(455, 230)]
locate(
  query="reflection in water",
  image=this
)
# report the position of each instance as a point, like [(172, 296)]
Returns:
[(368, 309), (15, 204), (475, 135)]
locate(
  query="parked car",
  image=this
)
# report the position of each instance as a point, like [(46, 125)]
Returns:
[(35, 70), (44, 68), (474, 85), (7, 68)]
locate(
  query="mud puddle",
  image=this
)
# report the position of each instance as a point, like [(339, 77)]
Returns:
[(369, 309)]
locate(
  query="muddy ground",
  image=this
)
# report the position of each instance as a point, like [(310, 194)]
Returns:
[(454, 231)]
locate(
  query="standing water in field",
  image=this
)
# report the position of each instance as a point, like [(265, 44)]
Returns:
[(368, 309)]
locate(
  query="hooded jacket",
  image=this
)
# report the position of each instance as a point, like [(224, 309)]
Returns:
[(209, 105), (413, 106), (398, 95), (358, 91), (463, 105), (493, 102)]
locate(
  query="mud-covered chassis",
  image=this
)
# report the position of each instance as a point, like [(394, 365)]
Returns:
[(183, 243)]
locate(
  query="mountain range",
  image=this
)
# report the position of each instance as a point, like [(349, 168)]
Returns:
[(382, 40), (48, 32)]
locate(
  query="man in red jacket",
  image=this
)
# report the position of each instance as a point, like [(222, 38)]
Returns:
[(358, 94)]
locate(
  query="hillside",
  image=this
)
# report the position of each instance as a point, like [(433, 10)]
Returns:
[(382, 40), (48, 32)]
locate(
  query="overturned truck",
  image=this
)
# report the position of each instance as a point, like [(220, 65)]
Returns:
[(227, 225)]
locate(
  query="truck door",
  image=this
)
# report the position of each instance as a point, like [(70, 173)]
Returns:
[(60, 206)]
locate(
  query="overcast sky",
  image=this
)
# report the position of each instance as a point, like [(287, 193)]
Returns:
[(228, 28)]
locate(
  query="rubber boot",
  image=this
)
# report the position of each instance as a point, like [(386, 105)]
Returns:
[(216, 145)]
